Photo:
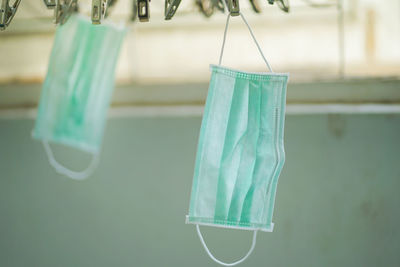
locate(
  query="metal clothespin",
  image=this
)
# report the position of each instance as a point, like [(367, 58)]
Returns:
[(218, 4), (63, 10), (50, 4), (206, 7), (255, 5), (99, 8), (233, 7), (143, 10), (171, 6), (134, 10), (110, 5), (7, 13), (284, 5)]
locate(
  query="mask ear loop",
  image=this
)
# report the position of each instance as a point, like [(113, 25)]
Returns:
[(65, 171), (252, 35), (253, 244)]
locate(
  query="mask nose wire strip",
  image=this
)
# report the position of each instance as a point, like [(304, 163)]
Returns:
[(252, 35), (65, 171), (253, 244)]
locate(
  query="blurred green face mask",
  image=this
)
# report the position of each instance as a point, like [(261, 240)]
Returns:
[(240, 152), (76, 93)]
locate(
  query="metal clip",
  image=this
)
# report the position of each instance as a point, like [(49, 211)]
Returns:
[(256, 6), (134, 10), (219, 5), (206, 7), (63, 10), (99, 8), (110, 5), (7, 13), (171, 6), (284, 5), (143, 10), (233, 7), (50, 4)]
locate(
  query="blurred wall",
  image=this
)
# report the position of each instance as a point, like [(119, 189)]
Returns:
[(337, 202)]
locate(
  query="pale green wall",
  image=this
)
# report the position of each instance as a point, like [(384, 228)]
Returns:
[(338, 201)]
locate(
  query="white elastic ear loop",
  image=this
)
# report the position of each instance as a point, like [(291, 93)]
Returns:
[(65, 171), (253, 244), (252, 35)]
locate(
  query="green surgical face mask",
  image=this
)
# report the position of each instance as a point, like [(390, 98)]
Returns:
[(240, 152), (77, 90)]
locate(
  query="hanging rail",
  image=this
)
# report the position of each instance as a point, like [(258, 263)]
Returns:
[(140, 9)]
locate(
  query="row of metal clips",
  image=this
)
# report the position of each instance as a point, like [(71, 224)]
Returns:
[(141, 9)]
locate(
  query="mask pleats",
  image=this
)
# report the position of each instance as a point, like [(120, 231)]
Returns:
[(235, 137), (279, 106), (213, 143), (244, 179)]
